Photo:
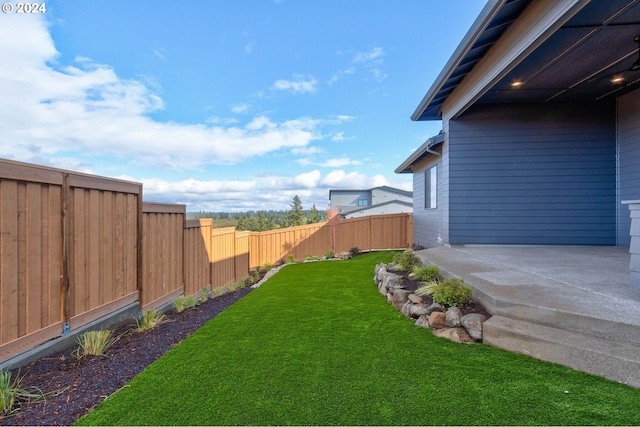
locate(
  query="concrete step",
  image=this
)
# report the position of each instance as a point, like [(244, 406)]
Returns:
[(611, 358), (590, 318)]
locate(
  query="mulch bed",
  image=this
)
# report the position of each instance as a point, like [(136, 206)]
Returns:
[(78, 385)]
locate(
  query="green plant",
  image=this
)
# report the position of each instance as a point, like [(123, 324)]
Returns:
[(232, 286), (149, 320), (450, 292), (12, 394), (291, 259), (217, 291), (204, 294), (329, 254), (311, 258), (94, 343), (242, 284), (429, 273), (406, 260), (266, 266), (184, 302)]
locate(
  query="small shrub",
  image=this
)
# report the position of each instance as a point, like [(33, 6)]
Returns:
[(291, 259), (311, 258), (184, 302), (12, 394), (450, 292), (406, 260), (232, 286), (429, 273), (242, 284), (149, 320), (94, 343), (204, 294), (266, 266), (329, 255), (217, 291)]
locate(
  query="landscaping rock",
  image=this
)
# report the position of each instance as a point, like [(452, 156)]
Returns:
[(437, 320), (416, 299), (452, 317), (473, 324), (423, 321), (454, 334), (405, 308), (401, 296), (435, 307), (417, 310)]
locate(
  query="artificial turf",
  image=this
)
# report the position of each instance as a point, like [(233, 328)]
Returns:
[(318, 345)]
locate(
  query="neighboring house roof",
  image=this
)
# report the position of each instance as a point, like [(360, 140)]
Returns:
[(555, 51), (382, 187), (365, 208)]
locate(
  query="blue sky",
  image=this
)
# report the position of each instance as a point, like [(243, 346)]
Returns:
[(226, 105)]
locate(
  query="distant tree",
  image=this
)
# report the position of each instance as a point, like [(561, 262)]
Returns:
[(295, 216), (314, 215)]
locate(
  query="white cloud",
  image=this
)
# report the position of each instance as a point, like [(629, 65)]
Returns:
[(240, 108), (371, 59), (338, 137), (299, 84), (87, 108), (248, 48)]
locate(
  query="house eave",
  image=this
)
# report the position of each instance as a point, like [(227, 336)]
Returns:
[(490, 10), (423, 151)]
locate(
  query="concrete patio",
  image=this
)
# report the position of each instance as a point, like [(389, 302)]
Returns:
[(571, 305)]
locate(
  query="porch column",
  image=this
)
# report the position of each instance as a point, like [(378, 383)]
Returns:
[(634, 247)]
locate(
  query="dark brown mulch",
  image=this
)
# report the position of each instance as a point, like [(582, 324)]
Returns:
[(84, 383)]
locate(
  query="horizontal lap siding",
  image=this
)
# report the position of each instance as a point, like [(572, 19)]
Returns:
[(629, 160), (533, 175)]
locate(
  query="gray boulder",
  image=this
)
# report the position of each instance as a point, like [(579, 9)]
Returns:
[(473, 324)]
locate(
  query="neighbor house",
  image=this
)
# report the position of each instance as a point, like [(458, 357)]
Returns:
[(540, 140), (374, 201)]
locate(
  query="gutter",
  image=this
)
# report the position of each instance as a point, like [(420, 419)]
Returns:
[(422, 151)]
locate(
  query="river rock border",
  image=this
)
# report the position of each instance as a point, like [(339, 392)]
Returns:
[(448, 323)]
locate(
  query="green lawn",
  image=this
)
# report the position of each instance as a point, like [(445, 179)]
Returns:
[(318, 345)]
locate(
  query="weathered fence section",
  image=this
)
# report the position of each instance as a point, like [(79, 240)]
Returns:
[(75, 248)]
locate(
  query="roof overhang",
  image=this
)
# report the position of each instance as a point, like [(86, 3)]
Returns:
[(556, 51), (423, 151)]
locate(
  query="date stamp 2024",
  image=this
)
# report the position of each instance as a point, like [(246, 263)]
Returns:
[(24, 8)]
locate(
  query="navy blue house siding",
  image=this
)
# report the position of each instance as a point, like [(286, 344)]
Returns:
[(533, 174)]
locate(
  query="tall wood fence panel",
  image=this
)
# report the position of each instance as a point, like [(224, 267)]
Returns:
[(103, 226), (197, 247), (31, 292), (163, 243), (223, 256)]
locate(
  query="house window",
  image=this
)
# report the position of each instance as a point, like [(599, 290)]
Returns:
[(430, 187), (363, 202)]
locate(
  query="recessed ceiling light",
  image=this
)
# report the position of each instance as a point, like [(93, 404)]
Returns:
[(617, 79), (516, 84)]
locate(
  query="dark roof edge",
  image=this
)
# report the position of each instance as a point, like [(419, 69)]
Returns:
[(420, 153), (480, 24)]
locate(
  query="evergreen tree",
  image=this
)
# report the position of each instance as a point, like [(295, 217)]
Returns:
[(295, 216), (314, 215)]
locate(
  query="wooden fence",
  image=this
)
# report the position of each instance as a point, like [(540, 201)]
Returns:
[(75, 248)]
